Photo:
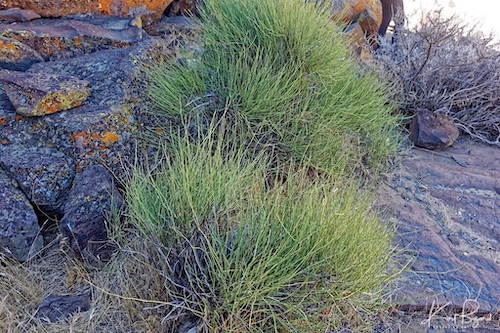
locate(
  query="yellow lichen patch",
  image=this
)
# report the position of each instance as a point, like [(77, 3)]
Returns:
[(109, 138), (59, 101)]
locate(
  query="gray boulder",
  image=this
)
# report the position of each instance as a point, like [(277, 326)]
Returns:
[(91, 199), (44, 175), (20, 236)]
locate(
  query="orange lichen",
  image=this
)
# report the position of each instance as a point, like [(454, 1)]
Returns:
[(2, 121), (51, 8), (19, 117), (109, 137), (4, 141)]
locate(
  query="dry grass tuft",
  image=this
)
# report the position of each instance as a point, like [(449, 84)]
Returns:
[(127, 295)]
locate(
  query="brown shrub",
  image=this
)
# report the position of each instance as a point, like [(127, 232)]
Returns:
[(450, 68)]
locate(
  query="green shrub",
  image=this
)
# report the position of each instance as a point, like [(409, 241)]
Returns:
[(283, 73), (244, 253)]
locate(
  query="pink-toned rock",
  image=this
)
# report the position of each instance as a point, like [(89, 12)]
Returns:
[(17, 56), (432, 131), (42, 94), (54, 39), (151, 10), (18, 15)]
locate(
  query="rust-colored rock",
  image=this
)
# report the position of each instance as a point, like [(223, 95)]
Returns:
[(62, 38), (17, 56), (151, 10), (41, 94), (432, 131), (349, 11), (18, 15)]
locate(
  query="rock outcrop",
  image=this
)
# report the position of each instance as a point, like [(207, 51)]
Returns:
[(446, 206), (151, 9)]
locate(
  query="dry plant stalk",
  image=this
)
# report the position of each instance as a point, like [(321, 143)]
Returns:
[(448, 67)]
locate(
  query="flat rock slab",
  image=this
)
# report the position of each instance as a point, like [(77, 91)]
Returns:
[(447, 210), (20, 236), (18, 15), (65, 38), (39, 94)]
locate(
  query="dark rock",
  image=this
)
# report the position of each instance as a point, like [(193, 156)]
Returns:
[(18, 15), (152, 10), (432, 131), (44, 175), (91, 199), (20, 235), (56, 307), (181, 7), (63, 38), (41, 94), (14, 55)]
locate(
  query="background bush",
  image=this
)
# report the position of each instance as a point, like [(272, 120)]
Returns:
[(448, 67)]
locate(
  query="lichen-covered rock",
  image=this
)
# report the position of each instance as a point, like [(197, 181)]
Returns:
[(41, 94), (103, 129), (56, 39), (18, 15), (16, 56), (432, 131), (93, 195), (20, 235), (45, 176), (150, 9)]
